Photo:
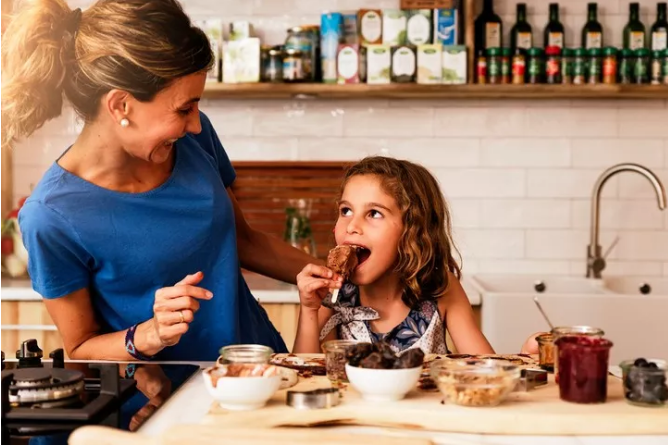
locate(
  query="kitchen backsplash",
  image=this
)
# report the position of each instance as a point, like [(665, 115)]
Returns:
[(518, 174)]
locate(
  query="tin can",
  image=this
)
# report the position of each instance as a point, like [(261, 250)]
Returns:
[(331, 34), (293, 66), (272, 64)]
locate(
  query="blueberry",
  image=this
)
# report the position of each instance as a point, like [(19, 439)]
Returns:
[(640, 362), (662, 394), (652, 365)]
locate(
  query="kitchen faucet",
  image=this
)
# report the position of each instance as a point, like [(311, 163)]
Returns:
[(596, 261)]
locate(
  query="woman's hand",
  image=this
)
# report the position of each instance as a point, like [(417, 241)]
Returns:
[(314, 282), (175, 307)]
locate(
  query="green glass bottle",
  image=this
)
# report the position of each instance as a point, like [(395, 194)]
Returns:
[(634, 31), (554, 31), (659, 31), (488, 28), (521, 34), (592, 32)]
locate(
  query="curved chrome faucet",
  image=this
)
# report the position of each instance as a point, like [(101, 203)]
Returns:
[(595, 261)]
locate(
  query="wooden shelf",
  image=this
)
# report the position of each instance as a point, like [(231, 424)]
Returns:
[(416, 91)]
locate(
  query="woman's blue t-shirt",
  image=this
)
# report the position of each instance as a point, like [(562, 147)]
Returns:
[(125, 246)]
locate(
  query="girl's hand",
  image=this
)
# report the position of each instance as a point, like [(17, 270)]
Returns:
[(175, 307), (530, 346), (314, 282)]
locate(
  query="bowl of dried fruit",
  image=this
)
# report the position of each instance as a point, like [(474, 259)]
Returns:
[(475, 382), (242, 386), (379, 374)]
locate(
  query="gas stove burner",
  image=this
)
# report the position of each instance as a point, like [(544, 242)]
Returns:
[(36, 387)]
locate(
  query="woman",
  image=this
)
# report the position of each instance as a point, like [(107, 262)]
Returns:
[(135, 239)]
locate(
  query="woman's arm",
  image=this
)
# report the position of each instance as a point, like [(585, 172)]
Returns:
[(265, 254), (82, 338), (460, 322)]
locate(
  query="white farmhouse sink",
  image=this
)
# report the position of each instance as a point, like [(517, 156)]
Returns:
[(637, 324), (637, 285), (536, 284)]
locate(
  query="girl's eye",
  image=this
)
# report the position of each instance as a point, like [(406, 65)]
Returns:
[(345, 212), (375, 214)]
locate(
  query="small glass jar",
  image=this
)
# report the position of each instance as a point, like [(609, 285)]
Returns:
[(656, 68), (583, 368), (293, 66), (610, 65), (536, 66), (576, 330), (505, 65), (594, 66), (567, 66), (494, 65), (481, 67), (641, 66), (272, 64), (245, 353), (546, 351), (335, 360), (579, 66), (553, 65), (625, 72), (519, 67), (645, 384)]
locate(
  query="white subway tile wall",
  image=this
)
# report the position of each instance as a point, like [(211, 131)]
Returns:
[(518, 174)]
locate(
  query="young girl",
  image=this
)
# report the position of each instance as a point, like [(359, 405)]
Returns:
[(406, 287)]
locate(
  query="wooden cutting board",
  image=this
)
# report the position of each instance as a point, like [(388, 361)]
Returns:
[(538, 412)]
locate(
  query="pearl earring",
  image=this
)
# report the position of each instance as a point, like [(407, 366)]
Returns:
[(125, 122)]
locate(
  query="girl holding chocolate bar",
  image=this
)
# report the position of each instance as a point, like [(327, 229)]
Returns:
[(406, 286)]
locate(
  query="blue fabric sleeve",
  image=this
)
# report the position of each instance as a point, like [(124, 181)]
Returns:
[(208, 139), (57, 261)]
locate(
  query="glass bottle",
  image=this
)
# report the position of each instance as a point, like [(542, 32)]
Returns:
[(592, 32), (659, 31), (521, 35), (554, 31), (488, 28), (634, 31)]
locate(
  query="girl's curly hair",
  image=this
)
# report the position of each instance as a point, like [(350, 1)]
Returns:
[(426, 247)]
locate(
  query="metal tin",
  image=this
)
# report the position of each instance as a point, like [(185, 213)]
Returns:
[(530, 379), (324, 398)]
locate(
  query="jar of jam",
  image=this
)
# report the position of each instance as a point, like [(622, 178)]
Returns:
[(567, 66), (494, 65), (576, 330), (536, 66), (481, 67), (594, 66), (625, 72), (505, 65), (641, 66), (583, 368), (553, 65), (610, 65), (519, 67), (579, 66)]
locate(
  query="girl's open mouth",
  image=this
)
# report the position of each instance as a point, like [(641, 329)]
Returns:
[(362, 255)]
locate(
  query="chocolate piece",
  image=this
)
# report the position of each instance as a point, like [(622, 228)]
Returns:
[(357, 352), (373, 361), (342, 260), (409, 359)]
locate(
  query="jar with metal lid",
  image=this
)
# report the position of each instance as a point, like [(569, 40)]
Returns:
[(505, 65), (536, 66), (494, 65), (272, 64), (656, 68), (594, 66), (519, 67), (245, 353), (625, 71), (579, 66), (553, 65), (641, 66), (610, 65), (567, 66), (481, 67), (293, 66), (665, 66), (302, 38)]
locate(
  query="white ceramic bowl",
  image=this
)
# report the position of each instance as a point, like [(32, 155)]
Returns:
[(242, 393), (380, 385)]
